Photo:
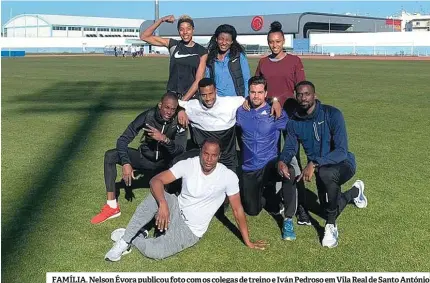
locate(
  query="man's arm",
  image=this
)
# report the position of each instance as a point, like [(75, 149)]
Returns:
[(178, 145), (128, 136), (291, 145), (157, 184), (340, 140), (239, 215)]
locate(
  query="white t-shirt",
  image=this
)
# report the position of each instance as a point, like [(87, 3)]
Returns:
[(202, 195), (221, 116)]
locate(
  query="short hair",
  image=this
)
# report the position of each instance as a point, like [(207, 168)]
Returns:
[(169, 95), (212, 140), (304, 83), (185, 19), (206, 82), (257, 80)]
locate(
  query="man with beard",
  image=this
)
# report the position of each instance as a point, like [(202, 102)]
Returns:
[(163, 139), (322, 132), (260, 136), (185, 218)]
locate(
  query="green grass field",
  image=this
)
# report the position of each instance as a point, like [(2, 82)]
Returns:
[(59, 116)]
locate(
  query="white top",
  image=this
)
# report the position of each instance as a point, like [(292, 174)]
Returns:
[(221, 116), (202, 195)]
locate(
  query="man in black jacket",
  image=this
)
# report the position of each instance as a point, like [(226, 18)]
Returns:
[(163, 139)]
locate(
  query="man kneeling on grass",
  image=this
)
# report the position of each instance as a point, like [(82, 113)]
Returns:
[(186, 217)]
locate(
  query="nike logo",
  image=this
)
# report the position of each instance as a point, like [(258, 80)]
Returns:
[(177, 55), (234, 60), (319, 123)]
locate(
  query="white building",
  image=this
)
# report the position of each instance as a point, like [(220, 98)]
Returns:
[(31, 25), (414, 21)]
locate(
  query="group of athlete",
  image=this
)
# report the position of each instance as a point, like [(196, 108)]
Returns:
[(245, 135)]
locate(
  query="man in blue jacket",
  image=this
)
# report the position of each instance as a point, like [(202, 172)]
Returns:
[(321, 130), (260, 135)]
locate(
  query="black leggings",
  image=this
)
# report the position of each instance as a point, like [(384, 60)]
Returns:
[(329, 178), (137, 161), (257, 182)]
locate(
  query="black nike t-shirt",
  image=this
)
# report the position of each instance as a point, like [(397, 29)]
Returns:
[(184, 62)]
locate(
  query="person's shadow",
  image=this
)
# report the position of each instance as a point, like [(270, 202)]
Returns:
[(142, 178)]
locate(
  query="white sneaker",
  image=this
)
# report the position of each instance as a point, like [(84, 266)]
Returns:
[(119, 249), (117, 234), (331, 236), (361, 200)]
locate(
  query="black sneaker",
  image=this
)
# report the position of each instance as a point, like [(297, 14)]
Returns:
[(302, 216)]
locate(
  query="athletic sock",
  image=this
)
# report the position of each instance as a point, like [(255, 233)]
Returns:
[(112, 203)]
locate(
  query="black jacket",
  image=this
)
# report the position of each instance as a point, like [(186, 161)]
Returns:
[(235, 72), (148, 146)]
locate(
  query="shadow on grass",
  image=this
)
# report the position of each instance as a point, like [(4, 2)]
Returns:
[(92, 100)]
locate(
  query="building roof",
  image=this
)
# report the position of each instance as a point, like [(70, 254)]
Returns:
[(291, 23), (63, 20)]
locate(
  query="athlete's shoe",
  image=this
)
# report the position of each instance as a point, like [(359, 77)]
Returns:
[(302, 216), (288, 230), (361, 200), (119, 233), (119, 249), (331, 236), (106, 213)]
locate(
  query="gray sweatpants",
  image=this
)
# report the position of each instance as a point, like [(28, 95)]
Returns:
[(176, 238)]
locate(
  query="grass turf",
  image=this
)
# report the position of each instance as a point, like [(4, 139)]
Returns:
[(59, 116)]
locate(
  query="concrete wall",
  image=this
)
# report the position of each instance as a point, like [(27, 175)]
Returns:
[(370, 39), (389, 43), (65, 42)]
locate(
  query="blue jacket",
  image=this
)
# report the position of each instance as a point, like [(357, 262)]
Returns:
[(223, 80), (260, 135), (322, 134)]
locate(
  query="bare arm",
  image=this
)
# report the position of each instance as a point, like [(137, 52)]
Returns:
[(240, 217), (199, 75), (148, 34), (157, 184)]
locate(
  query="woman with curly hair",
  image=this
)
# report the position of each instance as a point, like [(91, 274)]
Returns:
[(227, 64), (187, 58)]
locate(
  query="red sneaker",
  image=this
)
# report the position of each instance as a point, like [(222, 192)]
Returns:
[(106, 213)]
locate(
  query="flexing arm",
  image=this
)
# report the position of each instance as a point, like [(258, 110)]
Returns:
[(148, 34), (199, 75)]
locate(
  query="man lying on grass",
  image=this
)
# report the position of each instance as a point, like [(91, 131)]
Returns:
[(184, 218)]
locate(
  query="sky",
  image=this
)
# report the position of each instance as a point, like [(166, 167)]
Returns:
[(201, 9)]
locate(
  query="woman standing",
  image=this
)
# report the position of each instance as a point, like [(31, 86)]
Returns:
[(281, 70), (227, 64), (187, 58)]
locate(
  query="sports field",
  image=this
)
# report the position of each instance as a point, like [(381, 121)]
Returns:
[(60, 114)]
